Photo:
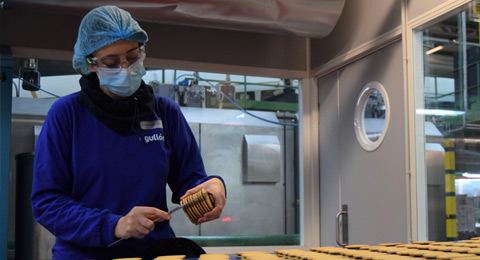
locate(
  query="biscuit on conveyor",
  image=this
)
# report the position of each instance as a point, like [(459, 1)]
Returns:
[(436, 248), (468, 258), (360, 254), (214, 257), (355, 246), (458, 249), (447, 249), (422, 247), (300, 254), (470, 241), (448, 256), (379, 256), (170, 257), (380, 249), (467, 245), (350, 252), (322, 249), (256, 256), (475, 251), (389, 244), (375, 248), (422, 242), (443, 243), (432, 254), (369, 256), (403, 251), (329, 250), (416, 252), (391, 250)]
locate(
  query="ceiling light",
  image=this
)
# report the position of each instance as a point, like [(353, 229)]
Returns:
[(439, 112), (471, 175), (438, 48)]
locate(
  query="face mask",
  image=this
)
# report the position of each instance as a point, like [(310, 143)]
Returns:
[(122, 82)]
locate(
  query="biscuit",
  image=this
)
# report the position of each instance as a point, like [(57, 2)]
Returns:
[(170, 257), (354, 246), (422, 242), (389, 244), (214, 257)]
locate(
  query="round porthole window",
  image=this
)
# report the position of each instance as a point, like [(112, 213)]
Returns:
[(372, 114)]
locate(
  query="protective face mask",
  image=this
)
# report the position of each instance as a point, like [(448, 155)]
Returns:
[(122, 82)]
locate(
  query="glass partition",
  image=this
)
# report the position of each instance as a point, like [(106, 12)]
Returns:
[(449, 116), (247, 131)]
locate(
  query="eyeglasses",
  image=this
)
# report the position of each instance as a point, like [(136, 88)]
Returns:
[(116, 61)]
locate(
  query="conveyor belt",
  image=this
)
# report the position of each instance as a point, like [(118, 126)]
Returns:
[(423, 250)]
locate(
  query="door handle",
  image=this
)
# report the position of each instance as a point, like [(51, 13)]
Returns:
[(342, 230)]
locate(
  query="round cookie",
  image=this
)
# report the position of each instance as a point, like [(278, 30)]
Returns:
[(422, 242), (193, 208), (210, 201), (203, 204), (354, 246), (389, 244), (187, 210)]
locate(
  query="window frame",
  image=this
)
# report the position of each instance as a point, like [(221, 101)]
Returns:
[(412, 38)]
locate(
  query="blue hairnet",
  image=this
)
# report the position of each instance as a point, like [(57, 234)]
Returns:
[(102, 26)]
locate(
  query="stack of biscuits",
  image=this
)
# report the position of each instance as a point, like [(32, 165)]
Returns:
[(197, 204)]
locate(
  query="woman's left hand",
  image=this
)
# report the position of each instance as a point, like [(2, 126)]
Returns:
[(215, 187)]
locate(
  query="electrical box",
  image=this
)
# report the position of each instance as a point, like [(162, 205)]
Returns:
[(261, 158)]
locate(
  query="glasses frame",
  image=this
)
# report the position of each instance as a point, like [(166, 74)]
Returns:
[(94, 61)]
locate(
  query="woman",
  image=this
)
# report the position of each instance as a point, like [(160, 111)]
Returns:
[(106, 153)]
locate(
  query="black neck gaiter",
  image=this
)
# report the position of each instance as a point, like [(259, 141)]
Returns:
[(121, 115)]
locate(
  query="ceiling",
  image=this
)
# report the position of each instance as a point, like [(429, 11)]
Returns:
[(309, 18)]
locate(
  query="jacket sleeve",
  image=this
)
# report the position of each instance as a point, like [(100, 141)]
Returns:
[(187, 168), (52, 203)]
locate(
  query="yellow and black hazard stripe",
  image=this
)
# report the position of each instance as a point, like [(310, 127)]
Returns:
[(450, 206)]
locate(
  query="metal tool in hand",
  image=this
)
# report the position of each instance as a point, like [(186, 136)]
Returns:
[(169, 213)]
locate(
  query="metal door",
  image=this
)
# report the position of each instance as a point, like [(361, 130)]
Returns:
[(372, 184)]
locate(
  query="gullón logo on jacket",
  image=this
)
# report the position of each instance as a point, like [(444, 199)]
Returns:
[(154, 137)]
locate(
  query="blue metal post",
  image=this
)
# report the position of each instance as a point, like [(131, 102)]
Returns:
[(6, 72)]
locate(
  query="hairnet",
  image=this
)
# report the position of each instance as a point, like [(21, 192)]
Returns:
[(102, 26)]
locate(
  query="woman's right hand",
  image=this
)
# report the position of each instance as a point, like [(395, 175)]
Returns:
[(139, 222)]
